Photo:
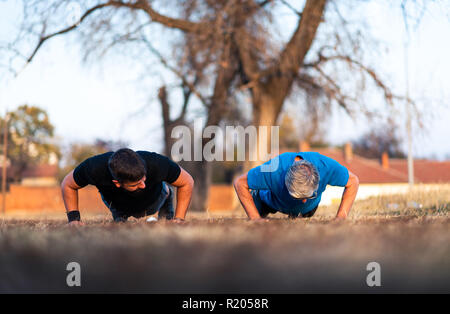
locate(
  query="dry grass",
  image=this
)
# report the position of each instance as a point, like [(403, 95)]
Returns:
[(227, 254)]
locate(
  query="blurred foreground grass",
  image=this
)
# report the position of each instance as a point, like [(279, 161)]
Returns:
[(224, 253)]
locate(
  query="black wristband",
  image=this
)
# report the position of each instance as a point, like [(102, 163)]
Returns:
[(73, 215)]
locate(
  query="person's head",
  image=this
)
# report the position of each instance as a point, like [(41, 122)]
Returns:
[(127, 169), (302, 180)]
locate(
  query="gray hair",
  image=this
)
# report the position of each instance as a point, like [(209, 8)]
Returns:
[(302, 179)]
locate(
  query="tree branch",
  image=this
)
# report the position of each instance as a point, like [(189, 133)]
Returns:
[(334, 92), (291, 7), (291, 58), (183, 25), (387, 92), (187, 91), (43, 39), (176, 72), (247, 56), (225, 76)]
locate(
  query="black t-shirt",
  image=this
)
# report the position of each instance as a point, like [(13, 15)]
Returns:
[(95, 171)]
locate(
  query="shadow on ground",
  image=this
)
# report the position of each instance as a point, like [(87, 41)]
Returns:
[(228, 255)]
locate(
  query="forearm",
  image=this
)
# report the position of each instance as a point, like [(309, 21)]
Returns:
[(184, 196), (348, 197), (246, 199), (70, 198)]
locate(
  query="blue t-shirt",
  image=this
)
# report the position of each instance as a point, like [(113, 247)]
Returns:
[(273, 190)]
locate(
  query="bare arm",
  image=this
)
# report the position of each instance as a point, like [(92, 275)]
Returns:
[(349, 195), (244, 195), (185, 185), (70, 193)]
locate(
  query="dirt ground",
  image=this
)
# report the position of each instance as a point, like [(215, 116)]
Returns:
[(225, 253)]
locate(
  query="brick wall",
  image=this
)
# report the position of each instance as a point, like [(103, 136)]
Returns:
[(35, 199)]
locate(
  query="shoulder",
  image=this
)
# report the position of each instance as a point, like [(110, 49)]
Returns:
[(316, 157), (310, 155), (156, 161), (93, 170), (151, 157), (324, 164), (287, 155), (313, 157), (328, 161), (331, 166), (286, 159), (98, 160), (102, 157), (144, 153)]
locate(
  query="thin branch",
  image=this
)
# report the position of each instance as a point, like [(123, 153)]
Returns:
[(248, 59), (291, 58), (344, 23), (124, 38), (387, 92), (176, 72), (335, 92), (291, 8), (264, 3), (183, 25), (187, 91), (43, 39)]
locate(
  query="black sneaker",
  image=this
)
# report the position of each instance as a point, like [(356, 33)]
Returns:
[(120, 219)]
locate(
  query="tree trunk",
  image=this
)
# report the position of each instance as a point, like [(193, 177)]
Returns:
[(266, 110), (268, 95), (200, 171), (168, 124)]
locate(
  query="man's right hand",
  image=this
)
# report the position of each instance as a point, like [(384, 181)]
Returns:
[(259, 220), (76, 223), (245, 197)]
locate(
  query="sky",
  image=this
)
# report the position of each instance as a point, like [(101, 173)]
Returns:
[(85, 101)]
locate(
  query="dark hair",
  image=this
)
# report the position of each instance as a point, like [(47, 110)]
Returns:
[(126, 165)]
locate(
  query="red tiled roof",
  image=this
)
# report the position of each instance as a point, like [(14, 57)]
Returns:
[(425, 171), (371, 171)]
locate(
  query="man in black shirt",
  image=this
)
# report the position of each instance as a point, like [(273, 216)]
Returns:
[(130, 184)]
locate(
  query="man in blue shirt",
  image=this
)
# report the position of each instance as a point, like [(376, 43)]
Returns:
[(293, 183)]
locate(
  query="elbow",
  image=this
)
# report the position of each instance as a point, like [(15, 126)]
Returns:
[(190, 182), (356, 181), (68, 183), (236, 183), (240, 182), (64, 183)]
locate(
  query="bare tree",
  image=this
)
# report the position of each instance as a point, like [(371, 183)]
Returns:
[(383, 139), (222, 48)]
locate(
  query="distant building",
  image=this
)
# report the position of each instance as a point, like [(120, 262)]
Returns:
[(41, 175), (37, 175)]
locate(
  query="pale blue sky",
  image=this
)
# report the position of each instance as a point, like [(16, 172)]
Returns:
[(86, 102)]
